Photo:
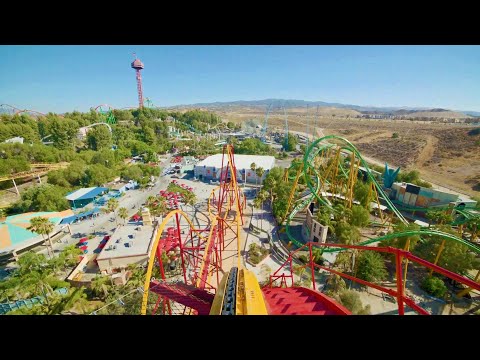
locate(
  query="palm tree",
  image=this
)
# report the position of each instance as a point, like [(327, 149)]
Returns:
[(342, 212), (70, 256), (336, 284), (189, 198), (101, 286), (42, 226), (151, 199), (30, 261), (473, 225), (75, 299), (137, 277), (259, 200), (112, 204), (259, 172), (123, 213), (270, 182), (253, 167), (40, 282), (316, 254), (324, 217)]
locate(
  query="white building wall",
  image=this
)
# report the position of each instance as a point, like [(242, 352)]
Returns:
[(317, 232), (107, 265), (212, 173)]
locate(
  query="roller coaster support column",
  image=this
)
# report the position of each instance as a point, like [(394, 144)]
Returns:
[(292, 192), (181, 248), (351, 181), (407, 248), (442, 246), (336, 164), (378, 204), (398, 264), (162, 273), (14, 184)]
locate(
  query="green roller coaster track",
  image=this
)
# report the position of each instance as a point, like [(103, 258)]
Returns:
[(312, 151)]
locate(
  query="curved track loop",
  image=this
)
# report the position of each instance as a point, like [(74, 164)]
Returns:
[(317, 182)]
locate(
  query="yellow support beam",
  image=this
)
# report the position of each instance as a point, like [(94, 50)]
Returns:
[(217, 304), (151, 260), (292, 192), (249, 300)]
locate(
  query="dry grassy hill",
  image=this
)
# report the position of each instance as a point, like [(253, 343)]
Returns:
[(443, 153)]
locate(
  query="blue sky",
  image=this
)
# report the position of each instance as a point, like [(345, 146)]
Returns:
[(64, 78)]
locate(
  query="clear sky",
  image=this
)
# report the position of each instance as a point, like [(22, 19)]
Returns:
[(66, 78)]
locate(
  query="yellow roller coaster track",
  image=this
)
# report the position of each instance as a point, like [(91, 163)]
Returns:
[(38, 169)]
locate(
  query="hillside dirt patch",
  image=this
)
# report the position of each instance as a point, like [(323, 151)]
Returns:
[(444, 154)]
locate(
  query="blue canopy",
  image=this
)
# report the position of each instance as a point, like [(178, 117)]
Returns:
[(86, 193), (68, 220), (89, 212)]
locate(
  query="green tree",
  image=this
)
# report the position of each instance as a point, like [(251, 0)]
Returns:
[(259, 200), (99, 137), (45, 197), (259, 171), (473, 225), (351, 300), (269, 184), (133, 172), (123, 213), (439, 216), (63, 132), (101, 286), (324, 217), (291, 144), (253, 146), (317, 256), (189, 198), (159, 207), (362, 193), (404, 242), (104, 157), (434, 286), (112, 205), (342, 213), (455, 256), (359, 216), (43, 226), (29, 262), (347, 233), (253, 167), (97, 175), (371, 267), (150, 200)]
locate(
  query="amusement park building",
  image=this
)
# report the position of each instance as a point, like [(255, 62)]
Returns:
[(312, 230), (84, 196), (418, 196), (129, 244), (210, 168)]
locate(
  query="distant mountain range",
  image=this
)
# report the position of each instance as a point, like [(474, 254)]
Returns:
[(302, 103), (279, 103)]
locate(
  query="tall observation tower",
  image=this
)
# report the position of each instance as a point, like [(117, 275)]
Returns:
[(138, 65)]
